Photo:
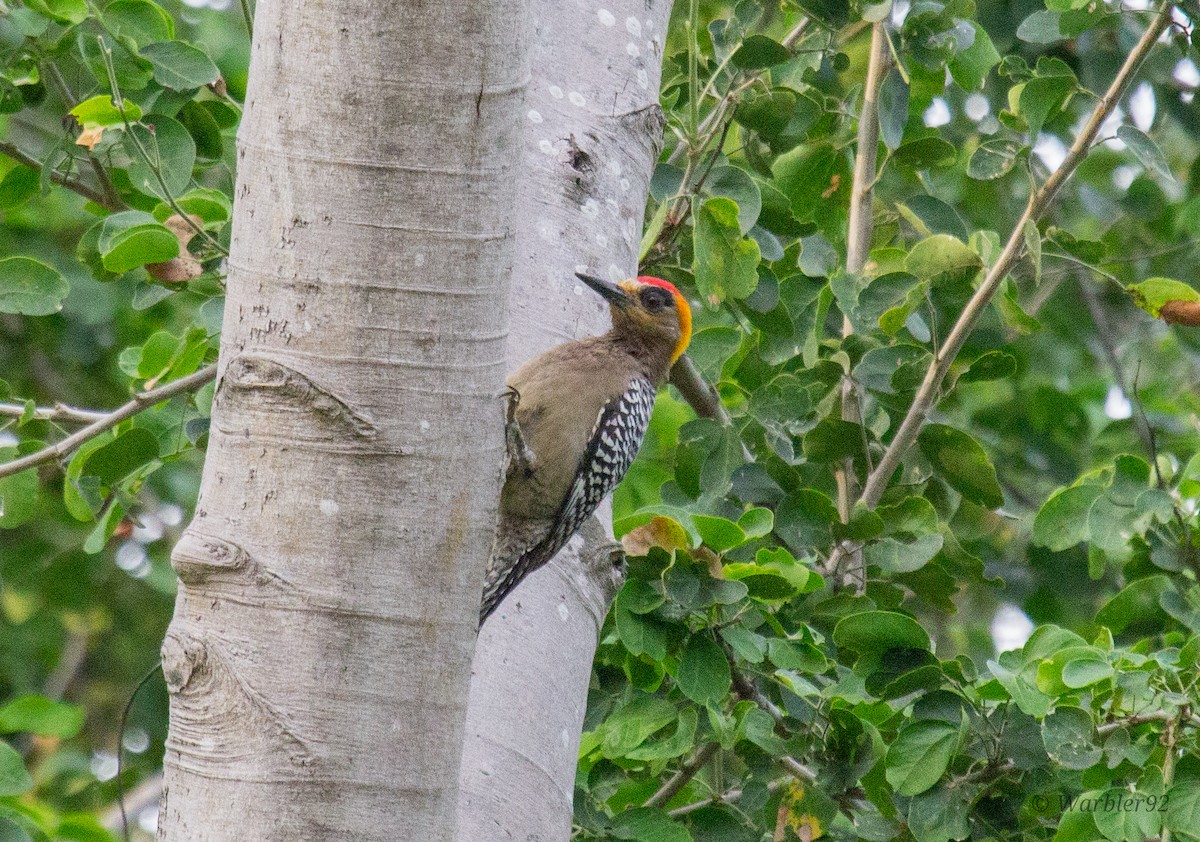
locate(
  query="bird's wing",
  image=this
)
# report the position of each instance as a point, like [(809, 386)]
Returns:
[(614, 442)]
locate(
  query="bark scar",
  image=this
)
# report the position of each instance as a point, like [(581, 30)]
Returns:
[(211, 697), (296, 405)]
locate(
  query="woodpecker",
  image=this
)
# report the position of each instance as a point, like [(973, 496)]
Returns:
[(576, 418)]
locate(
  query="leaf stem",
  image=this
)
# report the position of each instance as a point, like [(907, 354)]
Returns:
[(155, 167)]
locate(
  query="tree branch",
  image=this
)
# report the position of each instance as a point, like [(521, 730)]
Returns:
[(141, 401), (858, 246), (926, 396), (684, 774), (87, 191), (58, 412), (698, 392)]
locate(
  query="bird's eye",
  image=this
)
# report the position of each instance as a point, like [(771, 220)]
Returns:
[(655, 299)]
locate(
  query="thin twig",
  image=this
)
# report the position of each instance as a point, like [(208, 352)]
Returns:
[(141, 401), (684, 774), (714, 117), (1105, 337), (59, 412), (73, 184), (1039, 201)]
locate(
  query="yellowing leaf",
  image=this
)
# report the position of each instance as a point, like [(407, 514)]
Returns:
[(660, 532)]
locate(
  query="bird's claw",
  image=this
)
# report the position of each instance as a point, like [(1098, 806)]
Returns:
[(519, 454)]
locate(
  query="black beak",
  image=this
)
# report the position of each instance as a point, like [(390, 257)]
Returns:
[(607, 290)]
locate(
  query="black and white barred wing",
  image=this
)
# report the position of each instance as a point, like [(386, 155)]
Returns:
[(615, 440)]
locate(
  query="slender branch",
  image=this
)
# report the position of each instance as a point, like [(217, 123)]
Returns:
[(984, 774), (141, 401), (58, 412), (684, 774), (1105, 337), (714, 117), (697, 391), (73, 184), (858, 246), (926, 396)]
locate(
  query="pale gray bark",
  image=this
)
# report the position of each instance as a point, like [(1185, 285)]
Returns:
[(319, 656), (592, 134)]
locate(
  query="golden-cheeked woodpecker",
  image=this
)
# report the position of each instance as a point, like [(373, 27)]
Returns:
[(577, 416)]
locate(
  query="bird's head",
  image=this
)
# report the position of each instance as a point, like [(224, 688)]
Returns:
[(649, 308)]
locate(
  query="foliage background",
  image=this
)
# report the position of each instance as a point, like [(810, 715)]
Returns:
[(746, 687)]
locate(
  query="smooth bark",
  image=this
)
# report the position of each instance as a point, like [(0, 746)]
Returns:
[(592, 134), (318, 659)]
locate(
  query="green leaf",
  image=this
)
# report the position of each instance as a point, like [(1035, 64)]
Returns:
[(1085, 671), (30, 288), (1146, 150), (648, 824), (123, 249), (633, 723), (1062, 522), (1043, 96), (719, 535), (1070, 737), (170, 152), (971, 66), (42, 716), (939, 254), (994, 158), (877, 631), (940, 814), (833, 439), (1152, 293), (757, 522), (920, 755), (960, 461), (736, 184), (18, 493), (993, 365), (768, 113), (14, 780), (895, 556), (893, 109), (141, 20), (64, 11), (122, 456), (1183, 807), (703, 675), (726, 264), (925, 152), (1136, 601), (758, 52), (99, 111), (20, 184), (180, 66)]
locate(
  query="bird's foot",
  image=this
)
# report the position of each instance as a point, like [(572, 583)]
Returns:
[(519, 454)]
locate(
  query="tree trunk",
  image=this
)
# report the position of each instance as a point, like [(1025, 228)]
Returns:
[(592, 133), (318, 658)]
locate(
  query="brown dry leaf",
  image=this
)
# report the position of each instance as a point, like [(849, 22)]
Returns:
[(1181, 313), (177, 270), (90, 137), (659, 532), (711, 559)]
